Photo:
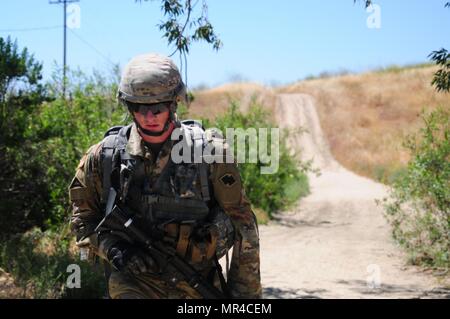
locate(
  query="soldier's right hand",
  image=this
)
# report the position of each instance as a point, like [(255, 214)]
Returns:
[(127, 258)]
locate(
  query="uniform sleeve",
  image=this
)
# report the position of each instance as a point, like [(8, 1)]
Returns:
[(84, 193), (244, 277)]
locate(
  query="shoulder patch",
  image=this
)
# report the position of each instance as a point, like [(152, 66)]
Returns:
[(76, 183), (227, 179)]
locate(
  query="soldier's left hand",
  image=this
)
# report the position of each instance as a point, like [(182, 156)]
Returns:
[(124, 257)]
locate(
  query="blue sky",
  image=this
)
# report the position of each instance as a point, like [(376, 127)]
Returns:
[(264, 41)]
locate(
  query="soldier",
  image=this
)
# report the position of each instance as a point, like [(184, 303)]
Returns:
[(198, 210)]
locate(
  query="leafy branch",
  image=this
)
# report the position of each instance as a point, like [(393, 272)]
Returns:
[(182, 26), (442, 77)]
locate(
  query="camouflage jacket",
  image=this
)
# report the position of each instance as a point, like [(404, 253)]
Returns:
[(86, 188)]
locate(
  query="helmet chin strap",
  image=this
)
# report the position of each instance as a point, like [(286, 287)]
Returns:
[(172, 118)]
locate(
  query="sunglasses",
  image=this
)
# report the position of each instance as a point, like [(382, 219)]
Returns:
[(155, 108)]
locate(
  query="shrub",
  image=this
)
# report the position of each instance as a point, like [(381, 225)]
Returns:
[(269, 192), (419, 204), (39, 264)]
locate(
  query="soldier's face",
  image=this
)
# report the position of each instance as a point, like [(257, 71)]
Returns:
[(152, 117)]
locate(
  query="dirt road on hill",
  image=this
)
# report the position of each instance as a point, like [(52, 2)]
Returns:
[(336, 242)]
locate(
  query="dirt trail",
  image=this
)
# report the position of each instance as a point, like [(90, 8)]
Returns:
[(336, 242)]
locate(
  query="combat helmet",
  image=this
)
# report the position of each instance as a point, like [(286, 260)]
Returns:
[(150, 79)]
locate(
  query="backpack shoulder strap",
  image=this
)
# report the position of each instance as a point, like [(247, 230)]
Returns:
[(115, 138), (198, 137), (113, 130), (108, 148)]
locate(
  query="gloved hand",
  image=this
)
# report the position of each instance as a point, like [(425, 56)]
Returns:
[(127, 258)]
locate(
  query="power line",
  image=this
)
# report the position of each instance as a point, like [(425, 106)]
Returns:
[(31, 29), (93, 48)]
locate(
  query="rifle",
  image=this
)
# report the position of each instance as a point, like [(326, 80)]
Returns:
[(173, 268)]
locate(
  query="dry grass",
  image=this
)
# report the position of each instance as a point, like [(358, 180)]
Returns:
[(213, 102), (8, 288), (365, 117)]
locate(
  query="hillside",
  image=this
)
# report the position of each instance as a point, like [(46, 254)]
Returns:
[(365, 117)]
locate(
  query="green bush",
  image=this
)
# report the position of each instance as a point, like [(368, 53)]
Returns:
[(42, 138), (23, 191), (39, 264), (270, 192), (65, 130), (419, 204), (42, 162)]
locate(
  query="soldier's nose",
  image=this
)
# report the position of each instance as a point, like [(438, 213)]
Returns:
[(150, 115)]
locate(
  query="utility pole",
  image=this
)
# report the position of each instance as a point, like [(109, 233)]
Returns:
[(64, 2)]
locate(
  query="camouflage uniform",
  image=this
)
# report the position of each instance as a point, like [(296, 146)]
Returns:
[(85, 192)]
